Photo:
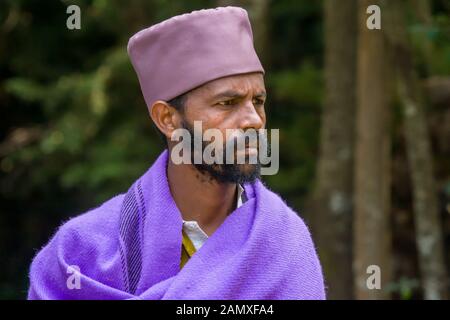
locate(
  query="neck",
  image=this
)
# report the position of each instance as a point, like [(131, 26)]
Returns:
[(199, 197)]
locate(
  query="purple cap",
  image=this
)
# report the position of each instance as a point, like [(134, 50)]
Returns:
[(186, 51)]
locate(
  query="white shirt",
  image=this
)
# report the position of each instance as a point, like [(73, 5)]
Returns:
[(196, 234)]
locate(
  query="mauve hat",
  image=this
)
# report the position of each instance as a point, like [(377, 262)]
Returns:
[(189, 50)]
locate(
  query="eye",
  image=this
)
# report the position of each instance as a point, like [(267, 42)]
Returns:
[(227, 103), (258, 102)]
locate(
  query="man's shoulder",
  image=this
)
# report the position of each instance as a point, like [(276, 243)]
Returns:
[(281, 213), (88, 242), (92, 227), (101, 219)]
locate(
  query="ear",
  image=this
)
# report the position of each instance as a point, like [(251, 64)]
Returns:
[(165, 117)]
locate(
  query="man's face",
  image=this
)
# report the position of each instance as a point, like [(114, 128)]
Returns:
[(234, 102)]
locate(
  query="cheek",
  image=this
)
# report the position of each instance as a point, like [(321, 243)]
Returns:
[(262, 114), (215, 119), (203, 114)]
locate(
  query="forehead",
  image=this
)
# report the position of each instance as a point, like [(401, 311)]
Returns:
[(242, 83)]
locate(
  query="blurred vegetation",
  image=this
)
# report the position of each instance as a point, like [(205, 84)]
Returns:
[(75, 131)]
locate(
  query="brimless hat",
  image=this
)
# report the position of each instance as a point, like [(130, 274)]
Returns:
[(189, 50)]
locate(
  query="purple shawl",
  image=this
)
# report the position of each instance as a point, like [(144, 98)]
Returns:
[(130, 248)]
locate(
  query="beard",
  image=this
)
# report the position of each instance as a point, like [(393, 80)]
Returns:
[(224, 172)]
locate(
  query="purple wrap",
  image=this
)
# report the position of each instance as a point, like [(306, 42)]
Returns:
[(130, 248)]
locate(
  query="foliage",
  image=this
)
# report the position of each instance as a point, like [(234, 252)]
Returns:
[(74, 126)]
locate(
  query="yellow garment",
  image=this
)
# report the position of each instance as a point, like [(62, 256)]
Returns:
[(187, 249)]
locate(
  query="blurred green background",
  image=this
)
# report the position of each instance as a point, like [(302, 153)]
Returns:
[(74, 129)]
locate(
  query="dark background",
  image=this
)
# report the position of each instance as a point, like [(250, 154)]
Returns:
[(74, 129)]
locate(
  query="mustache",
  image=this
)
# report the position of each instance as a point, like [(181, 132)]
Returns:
[(236, 142), (246, 139), (238, 137)]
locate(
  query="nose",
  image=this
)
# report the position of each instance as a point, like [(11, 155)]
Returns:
[(249, 117)]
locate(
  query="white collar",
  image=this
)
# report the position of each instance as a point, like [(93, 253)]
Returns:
[(193, 230), (239, 195)]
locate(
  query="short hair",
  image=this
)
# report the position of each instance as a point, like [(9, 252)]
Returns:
[(179, 103)]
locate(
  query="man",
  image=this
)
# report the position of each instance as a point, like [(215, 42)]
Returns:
[(189, 230)]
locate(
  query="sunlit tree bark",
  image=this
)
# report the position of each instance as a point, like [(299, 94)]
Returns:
[(372, 160), (332, 198)]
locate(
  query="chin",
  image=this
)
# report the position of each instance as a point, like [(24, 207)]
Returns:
[(247, 168), (249, 171)]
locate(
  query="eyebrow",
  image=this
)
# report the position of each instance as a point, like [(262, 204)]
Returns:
[(236, 95)]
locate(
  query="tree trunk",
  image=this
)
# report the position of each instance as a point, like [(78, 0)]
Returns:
[(372, 161), (429, 236), (332, 198)]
